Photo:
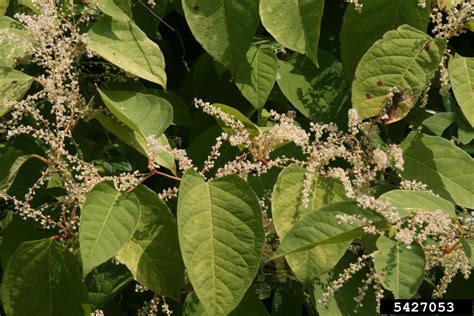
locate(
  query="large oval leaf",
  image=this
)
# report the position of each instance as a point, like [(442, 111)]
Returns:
[(152, 254), (407, 202), (361, 29), (320, 94), (13, 86), (225, 29), (145, 113), (123, 44), (321, 226), (399, 268), (444, 167), (256, 78), (287, 208), (221, 238), (405, 58), (461, 75), (295, 24), (43, 278), (108, 220)]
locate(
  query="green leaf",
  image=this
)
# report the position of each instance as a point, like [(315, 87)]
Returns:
[(256, 78), (136, 140), (399, 268), (4, 6), (361, 29), (144, 113), (221, 238), (225, 29), (321, 227), (249, 306), (438, 123), (407, 202), (181, 114), (108, 280), (294, 24), (248, 124), (287, 208), (11, 162), (43, 278), (17, 232), (126, 46), (461, 75), (117, 9), (318, 93), (405, 58), (108, 220), (10, 52), (152, 254), (444, 167), (13, 86)]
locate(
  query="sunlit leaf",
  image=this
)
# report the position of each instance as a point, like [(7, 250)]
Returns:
[(361, 29), (126, 46), (405, 59), (152, 254), (294, 24), (287, 208), (438, 163), (225, 29), (407, 202), (256, 78), (400, 268), (221, 238), (461, 76), (108, 220)]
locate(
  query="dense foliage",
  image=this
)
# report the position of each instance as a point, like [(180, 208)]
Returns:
[(242, 157)]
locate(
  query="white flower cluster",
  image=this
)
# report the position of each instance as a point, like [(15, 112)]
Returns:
[(452, 23)]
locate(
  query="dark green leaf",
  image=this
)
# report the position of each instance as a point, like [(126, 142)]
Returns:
[(47, 283), (320, 94)]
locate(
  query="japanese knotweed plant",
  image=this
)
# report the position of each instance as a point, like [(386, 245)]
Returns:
[(206, 188)]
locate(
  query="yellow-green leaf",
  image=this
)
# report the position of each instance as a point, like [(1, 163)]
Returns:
[(461, 75), (123, 44)]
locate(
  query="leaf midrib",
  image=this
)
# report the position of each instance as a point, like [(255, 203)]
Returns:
[(109, 212)]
